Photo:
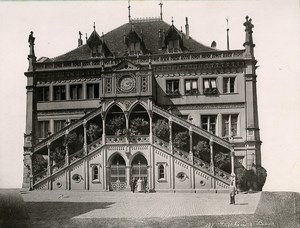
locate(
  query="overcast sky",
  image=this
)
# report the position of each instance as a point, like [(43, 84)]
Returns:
[(56, 25)]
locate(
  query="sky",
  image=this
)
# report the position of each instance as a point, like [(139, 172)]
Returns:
[(56, 25)]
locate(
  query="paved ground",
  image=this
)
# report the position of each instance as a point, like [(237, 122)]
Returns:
[(141, 205), (72, 209)]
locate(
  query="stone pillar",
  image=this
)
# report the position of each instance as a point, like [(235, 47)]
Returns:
[(128, 168), (150, 126), (171, 135), (68, 92), (85, 144), (212, 166), (103, 129), (191, 146), (84, 91), (51, 92), (233, 177), (67, 149), (49, 158)]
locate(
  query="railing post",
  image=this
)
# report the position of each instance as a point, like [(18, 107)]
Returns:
[(85, 145)]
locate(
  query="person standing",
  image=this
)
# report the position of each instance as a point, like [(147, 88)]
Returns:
[(232, 192)]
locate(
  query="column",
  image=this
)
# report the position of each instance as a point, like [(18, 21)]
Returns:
[(67, 149), (150, 126), (85, 145), (212, 166), (103, 128), (68, 92), (171, 135), (49, 159), (51, 92), (233, 177), (127, 125), (128, 168), (51, 126), (191, 146), (31, 172), (84, 91)]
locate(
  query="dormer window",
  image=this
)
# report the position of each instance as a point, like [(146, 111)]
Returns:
[(173, 46), (135, 48), (97, 45), (96, 50)]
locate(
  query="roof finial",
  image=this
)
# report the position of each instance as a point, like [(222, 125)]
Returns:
[(80, 40), (129, 17), (86, 38), (161, 13), (172, 20), (94, 26), (227, 34)]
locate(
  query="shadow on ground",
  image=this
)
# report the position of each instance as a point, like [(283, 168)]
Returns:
[(59, 214)]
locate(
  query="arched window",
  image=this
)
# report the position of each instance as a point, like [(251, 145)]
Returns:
[(95, 173), (161, 172)]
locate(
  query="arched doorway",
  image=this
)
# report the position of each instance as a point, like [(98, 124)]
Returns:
[(118, 173), (139, 170)]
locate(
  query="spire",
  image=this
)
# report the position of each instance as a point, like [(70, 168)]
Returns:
[(80, 42), (129, 17), (227, 30), (187, 28), (161, 13), (31, 57)]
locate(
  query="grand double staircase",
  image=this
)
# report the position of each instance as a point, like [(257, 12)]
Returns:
[(41, 179)]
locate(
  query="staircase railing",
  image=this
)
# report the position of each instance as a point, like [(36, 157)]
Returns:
[(72, 159), (191, 126), (70, 127), (222, 175)]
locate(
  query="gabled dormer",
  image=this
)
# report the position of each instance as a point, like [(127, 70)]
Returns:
[(98, 46), (134, 42), (173, 40)]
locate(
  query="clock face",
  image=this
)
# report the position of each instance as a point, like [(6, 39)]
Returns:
[(127, 83)]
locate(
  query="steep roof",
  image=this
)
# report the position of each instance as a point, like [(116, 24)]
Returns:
[(114, 41)]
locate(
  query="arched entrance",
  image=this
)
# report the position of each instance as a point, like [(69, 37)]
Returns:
[(139, 171), (118, 173)]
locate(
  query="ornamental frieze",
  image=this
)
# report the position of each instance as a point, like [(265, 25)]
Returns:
[(207, 106)]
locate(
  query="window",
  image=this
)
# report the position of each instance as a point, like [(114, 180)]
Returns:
[(42, 93), (59, 93), (229, 85), (230, 125), (95, 173), (43, 129), (59, 124), (173, 46), (161, 172), (208, 122), (135, 48), (191, 86), (76, 92), (210, 86), (172, 87), (92, 91)]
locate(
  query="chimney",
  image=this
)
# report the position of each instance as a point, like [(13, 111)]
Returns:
[(80, 42), (187, 29), (213, 44)]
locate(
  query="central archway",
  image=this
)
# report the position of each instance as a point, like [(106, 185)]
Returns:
[(139, 170)]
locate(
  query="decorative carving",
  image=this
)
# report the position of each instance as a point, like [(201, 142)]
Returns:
[(144, 83)]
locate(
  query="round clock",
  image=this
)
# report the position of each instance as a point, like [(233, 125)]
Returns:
[(127, 83)]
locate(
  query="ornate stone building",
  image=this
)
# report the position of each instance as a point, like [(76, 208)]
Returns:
[(144, 101)]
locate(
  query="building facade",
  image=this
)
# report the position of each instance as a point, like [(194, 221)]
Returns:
[(146, 102)]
